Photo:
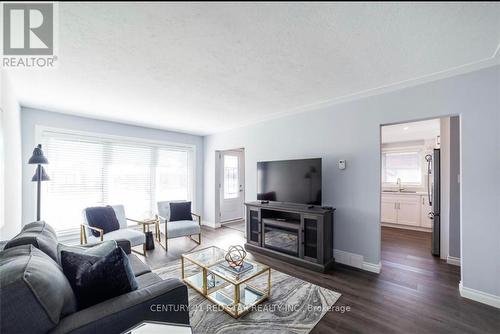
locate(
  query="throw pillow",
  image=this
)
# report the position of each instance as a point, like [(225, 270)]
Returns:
[(99, 250), (103, 217), (180, 211), (96, 279)]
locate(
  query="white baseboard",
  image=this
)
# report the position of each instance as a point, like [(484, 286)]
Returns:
[(356, 261), (479, 296), (456, 261), (209, 224), (372, 267)]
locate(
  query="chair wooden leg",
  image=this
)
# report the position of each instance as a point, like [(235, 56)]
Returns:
[(197, 241), (166, 237), (83, 235), (143, 250)]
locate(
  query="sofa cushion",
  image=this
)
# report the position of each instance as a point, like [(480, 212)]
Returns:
[(147, 280), (118, 314), (138, 267), (180, 211), (34, 293), (96, 279), (101, 249), (39, 234), (181, 228), (135, 237), (103, 217)]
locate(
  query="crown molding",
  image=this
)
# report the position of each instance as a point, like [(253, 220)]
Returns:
[(452, 72)]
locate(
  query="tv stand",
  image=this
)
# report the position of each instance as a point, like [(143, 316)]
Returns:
[(298, 234)]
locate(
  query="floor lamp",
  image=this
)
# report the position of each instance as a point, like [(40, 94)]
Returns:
[(40, 175)]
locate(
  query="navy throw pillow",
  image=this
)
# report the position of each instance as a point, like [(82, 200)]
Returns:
[(96, 279), (103, 217), (180, 211)]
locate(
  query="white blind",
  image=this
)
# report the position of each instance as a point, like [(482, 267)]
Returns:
[(406, 166), (89, 170)]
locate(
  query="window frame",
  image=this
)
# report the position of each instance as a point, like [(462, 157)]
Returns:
[(403, 149), (40, 130)]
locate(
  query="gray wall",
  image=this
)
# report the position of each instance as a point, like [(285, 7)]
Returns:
[(30, 118), (454, 236), (351, 131)]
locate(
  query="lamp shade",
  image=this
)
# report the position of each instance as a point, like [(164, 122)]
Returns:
[(45, 177), (38, 158)]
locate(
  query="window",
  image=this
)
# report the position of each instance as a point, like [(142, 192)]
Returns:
[(231, 184), (403, 165), (172, 175), (89, 170)]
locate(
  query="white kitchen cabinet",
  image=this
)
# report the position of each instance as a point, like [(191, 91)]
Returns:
[(409, 210), (389, 213), (405, 209)]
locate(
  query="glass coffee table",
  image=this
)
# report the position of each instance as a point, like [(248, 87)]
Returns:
[(236, 291), (157, 327)]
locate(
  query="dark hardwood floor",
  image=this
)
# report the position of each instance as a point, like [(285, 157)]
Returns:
[(414, 293)]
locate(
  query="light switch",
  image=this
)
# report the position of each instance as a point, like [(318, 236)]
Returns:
[(341, 164)]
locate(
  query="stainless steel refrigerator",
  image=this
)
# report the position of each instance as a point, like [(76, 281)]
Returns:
[(434, 198)]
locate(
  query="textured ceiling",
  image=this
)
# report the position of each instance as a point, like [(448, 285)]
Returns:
[(204, 68)]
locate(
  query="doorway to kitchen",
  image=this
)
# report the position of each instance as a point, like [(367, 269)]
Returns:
[(420, 192)]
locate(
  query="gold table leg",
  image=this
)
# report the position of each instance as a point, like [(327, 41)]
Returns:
[(236, 299), (205, 288)]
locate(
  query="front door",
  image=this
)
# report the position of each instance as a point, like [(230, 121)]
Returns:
[(231, 185)]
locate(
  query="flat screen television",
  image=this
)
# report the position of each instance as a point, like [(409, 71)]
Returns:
[(291, 181)]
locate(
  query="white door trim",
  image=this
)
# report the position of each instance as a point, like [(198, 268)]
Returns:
[(219, 184)]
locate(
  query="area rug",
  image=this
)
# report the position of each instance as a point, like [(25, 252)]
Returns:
[(238, 225), (295, 306)]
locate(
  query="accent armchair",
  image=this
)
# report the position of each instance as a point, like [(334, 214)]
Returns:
[(135, 237), (176, 229)]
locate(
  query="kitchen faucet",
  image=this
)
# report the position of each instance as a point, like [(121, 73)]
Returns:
[(398, 182)]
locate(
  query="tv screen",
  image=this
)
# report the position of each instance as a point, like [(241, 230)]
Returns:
[(292, 181)]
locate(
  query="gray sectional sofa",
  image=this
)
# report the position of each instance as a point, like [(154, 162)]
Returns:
[(36, 297)]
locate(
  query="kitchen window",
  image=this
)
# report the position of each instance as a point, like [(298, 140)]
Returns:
[(405, 165), (88, 170)]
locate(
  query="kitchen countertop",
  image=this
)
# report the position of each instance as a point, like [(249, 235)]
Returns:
[(419, 193)]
